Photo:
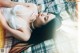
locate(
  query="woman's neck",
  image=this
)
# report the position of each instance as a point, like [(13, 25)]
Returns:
[(32, 25)]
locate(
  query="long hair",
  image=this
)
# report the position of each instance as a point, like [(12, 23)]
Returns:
[(45, 32)]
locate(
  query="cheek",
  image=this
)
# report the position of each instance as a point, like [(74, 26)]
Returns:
[(39, 22), (41, 19)]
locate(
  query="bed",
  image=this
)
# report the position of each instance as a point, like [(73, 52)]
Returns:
[(56, 7)]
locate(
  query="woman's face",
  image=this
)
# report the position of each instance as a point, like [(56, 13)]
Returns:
[(43, 18)]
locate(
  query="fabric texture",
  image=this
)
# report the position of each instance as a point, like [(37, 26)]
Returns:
[(44, 47), (13, 20), (17, 16), (58, 7), (55, 6), (19, 47), (1, 36)]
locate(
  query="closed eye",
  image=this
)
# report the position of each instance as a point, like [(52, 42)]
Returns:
[(46, 18)]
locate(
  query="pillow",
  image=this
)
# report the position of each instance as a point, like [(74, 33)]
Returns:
[(1, 36)]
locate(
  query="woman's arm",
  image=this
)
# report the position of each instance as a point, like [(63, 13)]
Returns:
[(5, 3), (22, 33)]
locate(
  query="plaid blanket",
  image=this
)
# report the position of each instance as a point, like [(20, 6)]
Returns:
[(59, 8), (63, 9), (47, 46), (55, 6)]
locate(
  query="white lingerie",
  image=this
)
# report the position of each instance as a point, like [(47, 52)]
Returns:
[(16, 16)]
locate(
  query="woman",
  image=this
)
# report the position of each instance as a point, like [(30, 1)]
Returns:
[(21, 33), (27, 15)]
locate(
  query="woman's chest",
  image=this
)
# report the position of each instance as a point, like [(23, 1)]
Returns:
[(30, 14)]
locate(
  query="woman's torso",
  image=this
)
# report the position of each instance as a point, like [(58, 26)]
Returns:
[(20, 14), (28, 12), (24, 12)]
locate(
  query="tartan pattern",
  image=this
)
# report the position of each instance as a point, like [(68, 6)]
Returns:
[(55, 6), (47, 46)]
